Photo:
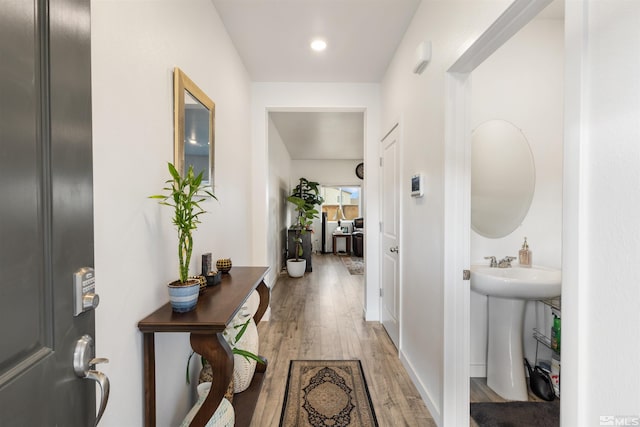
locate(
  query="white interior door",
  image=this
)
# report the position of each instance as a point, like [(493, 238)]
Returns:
[(390, 239)]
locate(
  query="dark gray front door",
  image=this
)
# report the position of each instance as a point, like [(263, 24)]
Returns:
[(46, 217)]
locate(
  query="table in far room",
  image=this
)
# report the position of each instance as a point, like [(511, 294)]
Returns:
[(347, 237)]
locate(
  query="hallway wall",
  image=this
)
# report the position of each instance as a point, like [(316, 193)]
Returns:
[(280, 214), (135, 45), (418, 101)]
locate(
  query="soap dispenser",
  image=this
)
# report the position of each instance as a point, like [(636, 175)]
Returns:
[(524, 256)]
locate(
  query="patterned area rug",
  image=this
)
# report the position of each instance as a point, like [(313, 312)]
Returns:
[(327, 393), (516, 414), (354, 264)]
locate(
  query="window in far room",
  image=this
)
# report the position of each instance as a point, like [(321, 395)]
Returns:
[(341, 202)]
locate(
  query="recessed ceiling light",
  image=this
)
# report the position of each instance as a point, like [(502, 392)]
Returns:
[(318, 45)]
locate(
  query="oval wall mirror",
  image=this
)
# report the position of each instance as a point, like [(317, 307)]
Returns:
[(194, 132), (502, 178)]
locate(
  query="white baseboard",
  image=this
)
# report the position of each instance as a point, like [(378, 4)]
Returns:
[(434, 410)]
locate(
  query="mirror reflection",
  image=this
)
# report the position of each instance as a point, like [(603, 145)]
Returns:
[(194, 114), (196, 136), (502, 178)]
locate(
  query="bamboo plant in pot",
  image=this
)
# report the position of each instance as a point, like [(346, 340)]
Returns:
[(305, 197), (184, 195)]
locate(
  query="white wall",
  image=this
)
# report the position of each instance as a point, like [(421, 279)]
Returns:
[(135, 45), (601, 241), (522, 84), (419, 102), (316, 97), (279, 209), (327, 172)]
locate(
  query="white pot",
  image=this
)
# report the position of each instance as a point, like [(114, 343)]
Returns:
[(296, 268)]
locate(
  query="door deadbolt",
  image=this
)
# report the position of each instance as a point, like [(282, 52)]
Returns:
[(84, 287)]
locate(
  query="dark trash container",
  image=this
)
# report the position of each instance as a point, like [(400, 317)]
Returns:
[(358, 243)]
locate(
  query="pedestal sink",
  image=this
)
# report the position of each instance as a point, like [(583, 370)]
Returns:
[(507, 290)]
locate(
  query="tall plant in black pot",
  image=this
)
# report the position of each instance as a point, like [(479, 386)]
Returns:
[(305, 197)]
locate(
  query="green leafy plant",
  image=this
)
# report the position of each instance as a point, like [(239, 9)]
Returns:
[(233, 342), (185, 193), (305, 197)]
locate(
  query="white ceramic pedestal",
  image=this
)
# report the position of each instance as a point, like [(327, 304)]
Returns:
[(505, 362)]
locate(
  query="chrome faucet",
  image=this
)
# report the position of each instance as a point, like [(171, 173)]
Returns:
[(494, 263), (506, 262)]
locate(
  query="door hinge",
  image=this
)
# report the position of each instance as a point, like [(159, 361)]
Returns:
[(380, 161), (380, 292), (466, 274), (380, 226)]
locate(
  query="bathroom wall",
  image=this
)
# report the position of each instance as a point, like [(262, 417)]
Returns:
[(522, 83), (135, 45)]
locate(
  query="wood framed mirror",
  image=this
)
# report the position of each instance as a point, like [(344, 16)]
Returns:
[(194, 127)]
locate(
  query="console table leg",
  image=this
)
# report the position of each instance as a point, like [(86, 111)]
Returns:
[(216, 350), (149, 379), (265, 296)]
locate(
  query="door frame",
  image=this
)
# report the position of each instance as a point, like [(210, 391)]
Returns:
[(457, 207)]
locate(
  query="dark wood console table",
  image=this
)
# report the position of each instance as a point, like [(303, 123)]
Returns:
[(216, 307)]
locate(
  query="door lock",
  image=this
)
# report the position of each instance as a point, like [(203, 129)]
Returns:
[(394, 250), (84, 286)]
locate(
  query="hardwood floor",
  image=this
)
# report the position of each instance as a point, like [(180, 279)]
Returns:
[(481, 392), (320, 316)]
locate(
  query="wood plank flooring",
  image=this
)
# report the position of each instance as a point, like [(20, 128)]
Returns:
[(320, 316)]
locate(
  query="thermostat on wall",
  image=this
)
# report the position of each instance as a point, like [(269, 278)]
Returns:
[(417, 187)]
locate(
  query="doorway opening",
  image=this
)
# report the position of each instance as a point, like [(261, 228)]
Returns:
[(324, 146), (458, 236)]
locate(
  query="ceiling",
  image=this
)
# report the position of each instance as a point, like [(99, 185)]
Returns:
[(273, 39), (321, 135)]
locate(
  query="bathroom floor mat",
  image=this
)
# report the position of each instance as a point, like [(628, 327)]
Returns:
[(516, 414)]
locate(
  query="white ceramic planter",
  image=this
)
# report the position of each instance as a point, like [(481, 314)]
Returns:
[(296, 268)]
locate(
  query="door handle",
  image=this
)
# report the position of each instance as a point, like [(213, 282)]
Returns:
[(394, 249), (84, 366)]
